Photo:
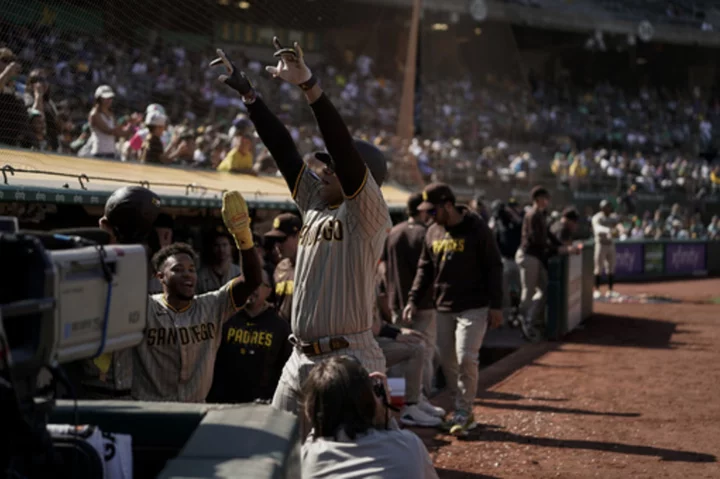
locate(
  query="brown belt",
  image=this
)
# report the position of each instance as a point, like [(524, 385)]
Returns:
[(323, 346)]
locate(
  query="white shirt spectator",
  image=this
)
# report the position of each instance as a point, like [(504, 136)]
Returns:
[(391, 454)]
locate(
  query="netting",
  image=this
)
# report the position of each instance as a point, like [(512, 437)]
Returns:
[(490, 106)]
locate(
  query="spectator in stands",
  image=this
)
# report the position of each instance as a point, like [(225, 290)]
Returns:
[(352, 435), (14, 121), (241, 157), (102, 125), (253, 351), (37, 97), (153, 151), (217, 267), (38, 140)]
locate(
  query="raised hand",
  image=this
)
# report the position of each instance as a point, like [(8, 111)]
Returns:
[(235, 79), (291, 64)]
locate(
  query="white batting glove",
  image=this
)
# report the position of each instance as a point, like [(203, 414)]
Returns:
[(291, 64)]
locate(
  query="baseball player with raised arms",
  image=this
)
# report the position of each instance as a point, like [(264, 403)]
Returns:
[(345, 224), (176, 359)]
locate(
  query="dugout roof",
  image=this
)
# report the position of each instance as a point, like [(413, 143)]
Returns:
[(49, 178)]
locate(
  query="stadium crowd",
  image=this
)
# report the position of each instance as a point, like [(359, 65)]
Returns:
[(101, 99)]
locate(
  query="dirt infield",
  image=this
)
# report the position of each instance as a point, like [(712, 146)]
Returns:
[(633, 394)]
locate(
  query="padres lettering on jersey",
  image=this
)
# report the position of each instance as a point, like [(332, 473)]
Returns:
[(448, 245), (176, 359), (252, 338), (338, 252)]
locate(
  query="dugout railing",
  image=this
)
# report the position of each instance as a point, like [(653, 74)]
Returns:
[(571, 279)]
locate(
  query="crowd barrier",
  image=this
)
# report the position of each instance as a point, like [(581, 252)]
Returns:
[(571, 278)]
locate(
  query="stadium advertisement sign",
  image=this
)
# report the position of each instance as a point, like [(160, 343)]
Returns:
[(629, 259), (654, 258), (686, 258)]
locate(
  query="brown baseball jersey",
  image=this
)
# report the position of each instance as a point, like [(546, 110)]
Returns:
[(176, 358), (284, 277)]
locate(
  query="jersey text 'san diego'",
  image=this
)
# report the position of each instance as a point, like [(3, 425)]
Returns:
[(338, 252), (175, 361)]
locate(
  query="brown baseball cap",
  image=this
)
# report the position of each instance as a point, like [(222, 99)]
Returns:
[(284, 225), (436, 194)]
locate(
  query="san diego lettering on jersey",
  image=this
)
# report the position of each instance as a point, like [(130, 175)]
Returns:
[(194, 334), (330, 229)]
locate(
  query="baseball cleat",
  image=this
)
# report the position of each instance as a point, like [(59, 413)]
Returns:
[(460, 423), (428, 408), (414, 416), (597, 294)]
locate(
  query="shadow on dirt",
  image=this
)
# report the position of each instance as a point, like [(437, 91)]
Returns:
[(672, 455), (499, 396), (452, 474), (624, 331), (554, 410)]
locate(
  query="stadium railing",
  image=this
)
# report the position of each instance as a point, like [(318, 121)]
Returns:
[(571, 280)]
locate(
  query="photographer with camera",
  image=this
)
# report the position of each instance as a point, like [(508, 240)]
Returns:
[(176, 358), (352, 435)]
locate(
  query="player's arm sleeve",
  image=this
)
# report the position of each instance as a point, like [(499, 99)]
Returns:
[(241, 289), (349, 165), (279, 143), (490, 261), (424, 275)]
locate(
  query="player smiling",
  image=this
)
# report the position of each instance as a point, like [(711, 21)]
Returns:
[(175, 361)]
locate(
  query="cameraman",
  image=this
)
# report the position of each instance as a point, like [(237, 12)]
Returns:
[(351, 435), (130, 215)]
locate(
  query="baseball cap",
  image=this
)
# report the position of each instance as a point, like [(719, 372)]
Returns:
[(284, 225), (156, 118), (7, 55), (104, 92), (132, 211), (435, 194), (512, 201), (155, 108), (413, 202), (604, 203)]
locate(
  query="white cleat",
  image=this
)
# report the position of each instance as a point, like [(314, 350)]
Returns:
[(428, 408), (414, 416), (597, 294)]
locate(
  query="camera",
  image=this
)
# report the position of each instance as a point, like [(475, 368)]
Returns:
[(62, 299)]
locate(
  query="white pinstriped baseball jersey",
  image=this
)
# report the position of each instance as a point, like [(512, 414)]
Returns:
[(338, 252), (176, 359)]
